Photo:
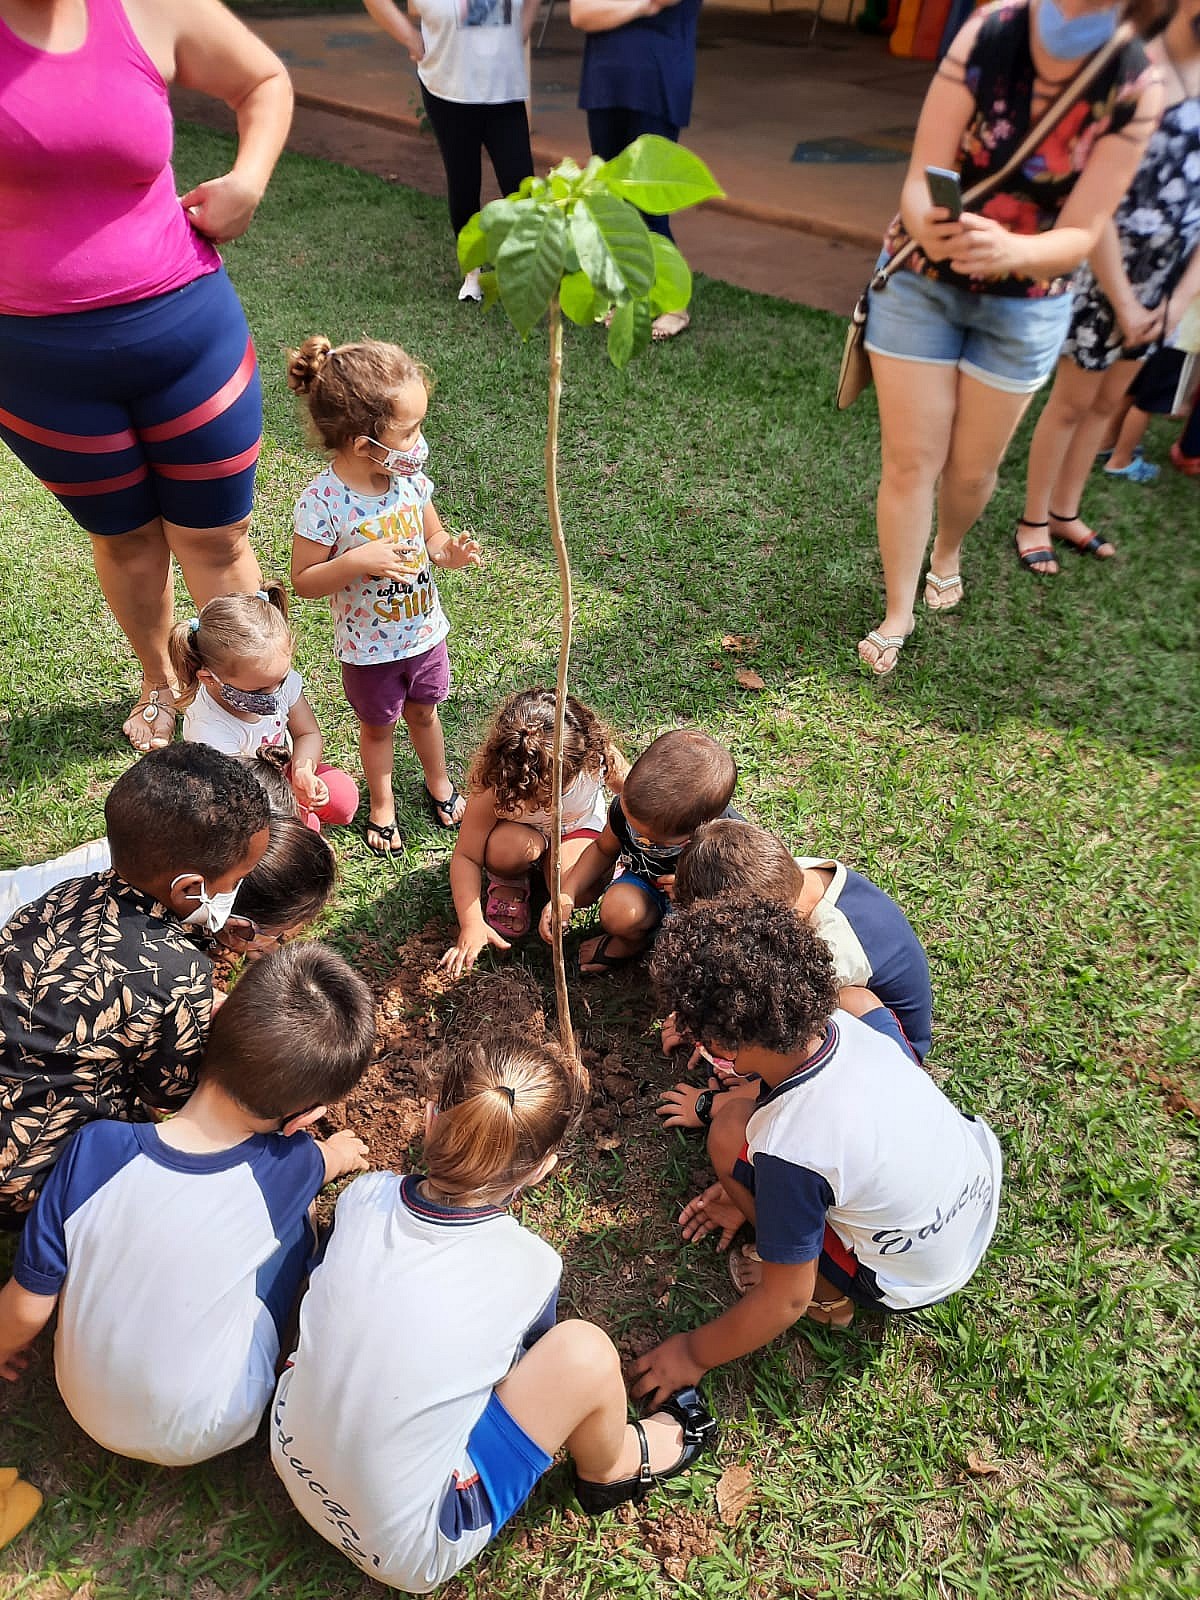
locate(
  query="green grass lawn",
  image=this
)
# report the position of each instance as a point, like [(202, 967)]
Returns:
[(1024, 785)]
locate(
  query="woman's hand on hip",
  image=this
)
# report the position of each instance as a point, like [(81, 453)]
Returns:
[(1138, 325), (223, 208), (985, 248)]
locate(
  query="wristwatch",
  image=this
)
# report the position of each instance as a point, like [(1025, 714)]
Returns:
[(704, 1105)]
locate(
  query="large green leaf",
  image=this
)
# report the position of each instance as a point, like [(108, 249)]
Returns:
[(620, 335), (659, 176), (472, 245), (497, 218), (613, 245), (529, 265), (578, 298), (672, 287)]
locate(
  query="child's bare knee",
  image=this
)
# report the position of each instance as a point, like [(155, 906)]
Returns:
[(417, 715), (625, 910), (585, 1354)]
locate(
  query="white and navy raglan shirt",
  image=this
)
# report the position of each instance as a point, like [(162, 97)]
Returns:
[(414, 1315), (176, 1274), (873, 946), (862, 1139)]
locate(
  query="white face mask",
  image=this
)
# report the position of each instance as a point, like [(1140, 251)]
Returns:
[(213, 910)]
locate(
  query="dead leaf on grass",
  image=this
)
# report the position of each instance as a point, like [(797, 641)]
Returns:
[(979, 1468), (608, 1141), (735, 1491), (738, 643), (749, 679)]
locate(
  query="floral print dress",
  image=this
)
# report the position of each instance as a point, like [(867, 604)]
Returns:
[(1158, 225), (1000, 76)]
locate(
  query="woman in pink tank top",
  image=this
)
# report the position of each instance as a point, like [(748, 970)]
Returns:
[(128, 380)]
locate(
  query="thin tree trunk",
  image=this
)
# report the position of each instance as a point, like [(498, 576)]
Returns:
[(565, 1032)]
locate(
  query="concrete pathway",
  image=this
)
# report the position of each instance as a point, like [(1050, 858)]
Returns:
[(804, 229)]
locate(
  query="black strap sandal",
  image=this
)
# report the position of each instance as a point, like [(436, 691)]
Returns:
[(442, 811), (1034, 560), (699, 1434), (389, 833), (1084, 547)]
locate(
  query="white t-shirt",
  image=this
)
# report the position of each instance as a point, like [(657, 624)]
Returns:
[(412, 1318), (585, 805), (474, 51), (863, 1140), (376, 619), (176, 1274), (21, 886), (207, 721)]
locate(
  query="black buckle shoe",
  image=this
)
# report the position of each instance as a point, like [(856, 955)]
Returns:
[(699, 1434)]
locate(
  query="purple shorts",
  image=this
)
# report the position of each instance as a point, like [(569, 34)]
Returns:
[(379, 693)]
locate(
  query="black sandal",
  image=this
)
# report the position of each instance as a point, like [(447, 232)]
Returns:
[(1034, 560), (699, 1434), (1084, 547), (391, 836), (442, 811), (602, 961)]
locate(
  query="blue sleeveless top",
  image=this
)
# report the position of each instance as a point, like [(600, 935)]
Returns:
[(648, 64)]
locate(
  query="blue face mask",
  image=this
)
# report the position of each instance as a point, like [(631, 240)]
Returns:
[(1072, 38)]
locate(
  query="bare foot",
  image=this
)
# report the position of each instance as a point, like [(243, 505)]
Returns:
[(151, 723)]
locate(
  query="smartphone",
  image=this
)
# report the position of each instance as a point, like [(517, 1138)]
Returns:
[(945, 189)]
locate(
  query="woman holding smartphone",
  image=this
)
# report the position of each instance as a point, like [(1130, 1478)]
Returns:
[(969, 328)]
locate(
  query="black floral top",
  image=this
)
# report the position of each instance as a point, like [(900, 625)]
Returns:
[(1000, 75), (105, 1004)]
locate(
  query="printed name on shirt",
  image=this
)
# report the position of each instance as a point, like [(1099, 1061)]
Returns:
[(891, 1242), (336, 1514)]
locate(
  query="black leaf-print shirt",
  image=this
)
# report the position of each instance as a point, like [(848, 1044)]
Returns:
[(105, 1006)]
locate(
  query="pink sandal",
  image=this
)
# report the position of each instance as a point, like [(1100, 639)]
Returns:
[(507, 906)]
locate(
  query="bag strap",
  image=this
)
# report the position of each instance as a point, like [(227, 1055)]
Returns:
[(1037, 135)]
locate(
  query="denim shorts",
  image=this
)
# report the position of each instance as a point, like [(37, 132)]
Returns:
[(1006, 343)]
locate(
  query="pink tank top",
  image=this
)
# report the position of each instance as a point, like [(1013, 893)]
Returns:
[(89, 214)]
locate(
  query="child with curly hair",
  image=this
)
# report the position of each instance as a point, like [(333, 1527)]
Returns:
[(864, 1185), (505, 830), (366, 537)]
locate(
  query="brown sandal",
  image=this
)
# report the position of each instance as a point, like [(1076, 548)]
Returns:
[(147, 712)]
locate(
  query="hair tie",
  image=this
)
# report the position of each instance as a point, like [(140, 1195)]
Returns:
[(511, 1093), (194, 625), (263, 596)]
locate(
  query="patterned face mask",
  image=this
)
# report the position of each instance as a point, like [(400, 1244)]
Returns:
[(255, 702), (402, 463)]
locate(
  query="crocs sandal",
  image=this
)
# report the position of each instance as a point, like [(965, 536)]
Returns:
[(442, 811), (156, 716), (1040, 556), (391, 836), (507, 906), (699, 1434), (600, 958), (941, 588), (1139, 470), (1091, 546), (883, 642)]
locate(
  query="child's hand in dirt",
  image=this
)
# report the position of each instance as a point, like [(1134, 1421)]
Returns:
[(544, 921), (12, 1366), (709, 1212), (461, 957), (667, 885), (662, 1371), (344, 1153), (459, 550), (677, 1107), (672, 1035)]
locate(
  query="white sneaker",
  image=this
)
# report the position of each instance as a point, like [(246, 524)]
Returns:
[(470, 288)]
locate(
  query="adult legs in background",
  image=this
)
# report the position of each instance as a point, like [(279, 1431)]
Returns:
[(916, 417), (611, 128), (1185, 452), (1129, 437), (458, 130), (985, 419), (1069, 432), (506, 140), (134, 570)]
